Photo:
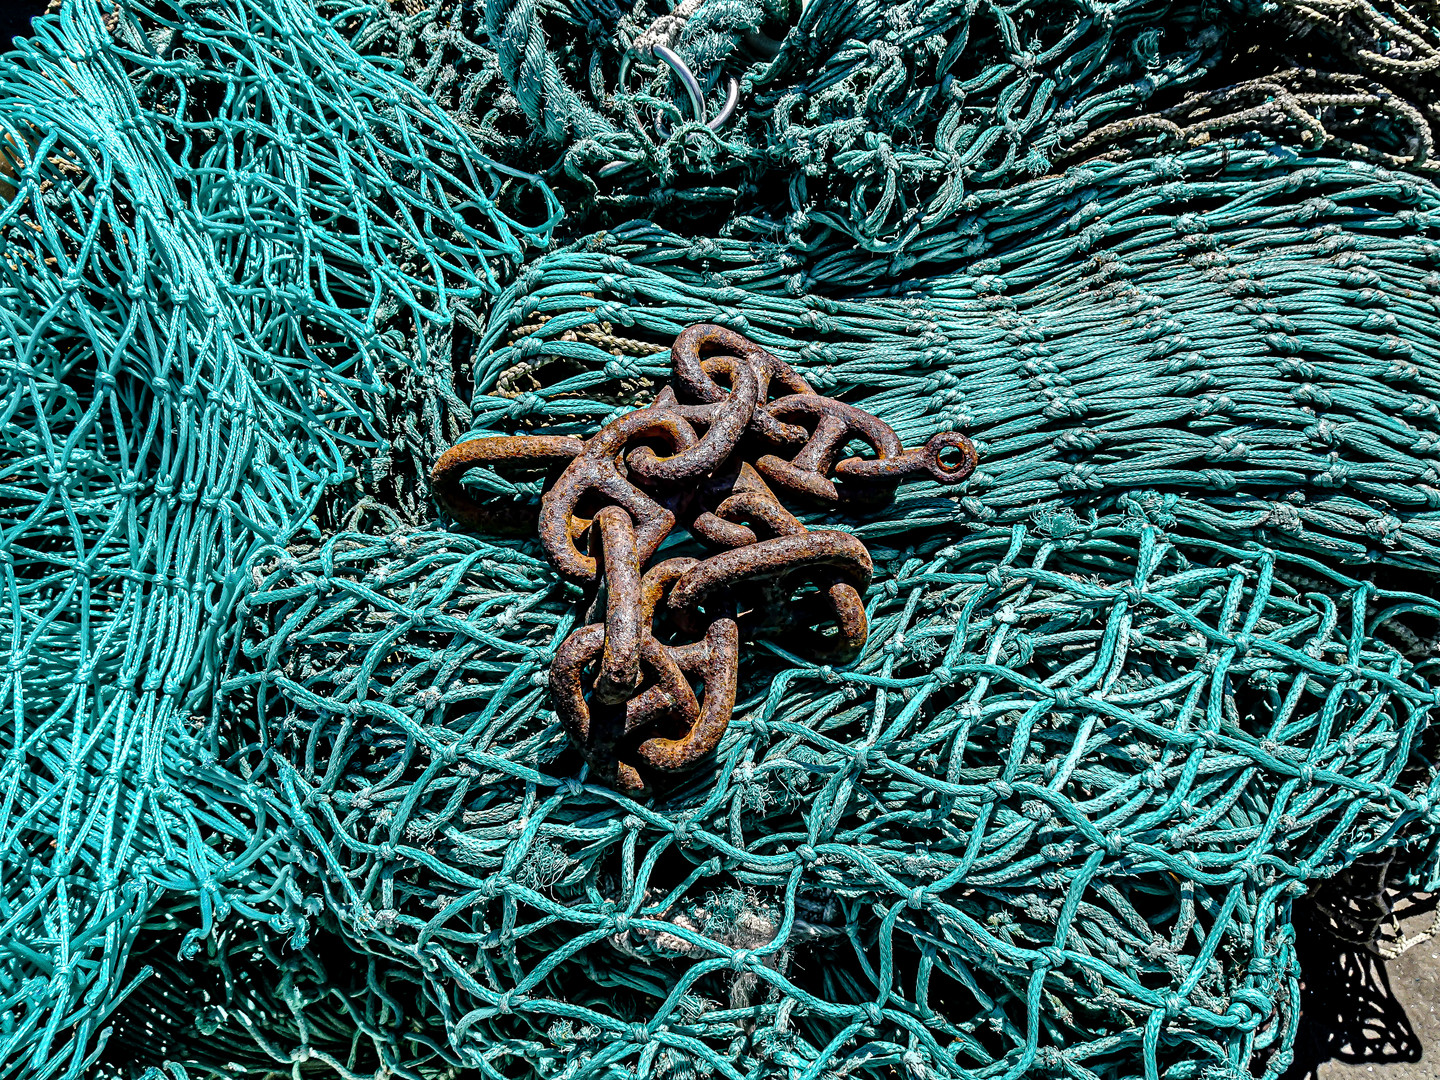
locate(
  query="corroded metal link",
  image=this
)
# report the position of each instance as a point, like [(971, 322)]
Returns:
[(522, 452), (949, 458), (726, 420), (716, 662), (739, 494), (620, 738), (750, 500), (760, 579), (657, 582), (638, 707), (759, 508), (596, 474), (835, 423), (767, 562), (620, 661), (692, 378), (600, 730)]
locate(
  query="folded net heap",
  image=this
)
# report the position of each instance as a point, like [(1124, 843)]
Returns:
[(283, 792)]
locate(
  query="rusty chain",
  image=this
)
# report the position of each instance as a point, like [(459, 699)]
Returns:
[(706, 454)]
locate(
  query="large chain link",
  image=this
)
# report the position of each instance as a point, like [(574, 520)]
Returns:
[(705, 455)]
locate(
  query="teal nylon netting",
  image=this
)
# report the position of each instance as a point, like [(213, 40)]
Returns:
[(282, 792)]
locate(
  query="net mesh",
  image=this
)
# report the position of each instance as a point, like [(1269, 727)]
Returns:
[(867, 127), (283, 794), (222, 230), (1351, 78)]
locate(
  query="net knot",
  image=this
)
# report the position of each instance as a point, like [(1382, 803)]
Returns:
[(1050, 956), (524, 405), (1243, 1013)]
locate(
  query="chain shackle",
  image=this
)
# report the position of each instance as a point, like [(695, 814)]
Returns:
[(829, 424)]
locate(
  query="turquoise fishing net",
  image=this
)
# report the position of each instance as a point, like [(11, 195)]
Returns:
[(283, 794), (223, 229), (1104, 732)]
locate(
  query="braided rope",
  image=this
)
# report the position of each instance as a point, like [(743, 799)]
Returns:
[(530, 70)]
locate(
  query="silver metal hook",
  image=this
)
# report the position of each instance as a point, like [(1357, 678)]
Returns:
[(732, 98), (687, 80), (692, 90), (719, 120), (682, 72)]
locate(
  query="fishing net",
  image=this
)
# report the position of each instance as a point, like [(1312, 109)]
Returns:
[(283, 791), (1115, 715), (1353, 78), (871, 123), (222, 229), (867, 126)]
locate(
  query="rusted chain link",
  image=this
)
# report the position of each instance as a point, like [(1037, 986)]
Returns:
[(704, 455)]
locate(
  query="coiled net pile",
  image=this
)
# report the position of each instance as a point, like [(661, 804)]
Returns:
[(282, 790)]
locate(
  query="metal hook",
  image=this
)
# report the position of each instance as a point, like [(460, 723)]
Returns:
[(687, 80), (682, 72), (720, 119), (692, 90), (732, 98)]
